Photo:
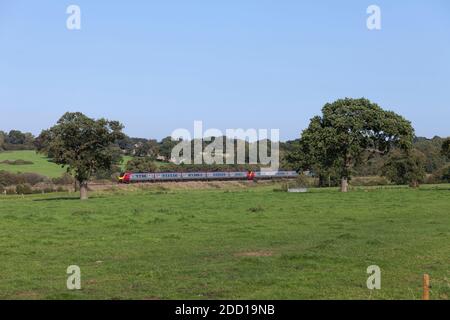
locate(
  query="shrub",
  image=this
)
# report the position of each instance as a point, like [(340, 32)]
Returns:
[(140, 165), (11, 179), (8, 178), (108, 174), (32, 178), (18, 162), (24, 189), (405, 168), (65, 179)]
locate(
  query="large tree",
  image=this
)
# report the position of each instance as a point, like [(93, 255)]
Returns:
[(347, 132), (82, 145)]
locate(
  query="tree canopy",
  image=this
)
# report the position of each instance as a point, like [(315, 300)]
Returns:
[(82, 145), (347, 132)]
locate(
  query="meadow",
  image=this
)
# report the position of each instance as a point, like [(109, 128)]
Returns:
[(226, 243), (41, 165)]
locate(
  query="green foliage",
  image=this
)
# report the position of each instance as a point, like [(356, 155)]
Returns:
[(446, 148), (148, 149), (141, 165), (81, 144), (64, 179), (431, 148), (11, 179), (346, 132), (441, 175), (166, 146), (446, 174), (16, 140), (405, 167), (170, 167)]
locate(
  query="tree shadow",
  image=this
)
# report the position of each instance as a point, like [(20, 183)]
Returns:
[(58, 199)]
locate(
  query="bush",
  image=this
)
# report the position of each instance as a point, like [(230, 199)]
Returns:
[(405, 168), (11, 179), (65, 179), (141, 165), (8, 178), (24, 189), (108, 174), (32, 178), (18, 162)]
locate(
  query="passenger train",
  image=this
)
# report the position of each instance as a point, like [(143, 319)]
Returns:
[(129, 177)]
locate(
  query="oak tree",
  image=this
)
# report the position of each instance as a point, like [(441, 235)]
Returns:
[(82, 145), (347, 132)]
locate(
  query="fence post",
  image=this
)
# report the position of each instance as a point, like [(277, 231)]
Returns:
[(426, 287)]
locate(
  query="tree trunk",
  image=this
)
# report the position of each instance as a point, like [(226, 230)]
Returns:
[(344, 184), (83, 190)]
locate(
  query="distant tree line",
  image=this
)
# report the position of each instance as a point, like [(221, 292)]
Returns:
[(16, 140)]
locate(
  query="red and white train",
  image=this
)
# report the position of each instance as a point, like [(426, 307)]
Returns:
[(206, 176)]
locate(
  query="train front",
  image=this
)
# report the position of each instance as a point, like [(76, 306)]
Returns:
[(124, 177)]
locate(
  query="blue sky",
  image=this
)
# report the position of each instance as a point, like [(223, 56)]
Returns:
[(160, 65)]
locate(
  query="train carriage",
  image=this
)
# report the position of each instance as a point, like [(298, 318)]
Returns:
[(196, 176)]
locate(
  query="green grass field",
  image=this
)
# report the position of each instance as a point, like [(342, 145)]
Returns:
[(40, 165), (250, 243)]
